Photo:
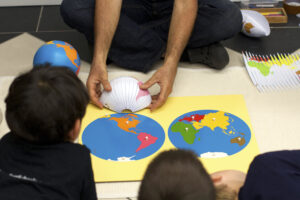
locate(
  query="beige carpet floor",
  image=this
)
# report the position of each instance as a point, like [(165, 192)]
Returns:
[(274, 116)]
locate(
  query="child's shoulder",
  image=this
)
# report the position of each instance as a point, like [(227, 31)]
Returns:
[(5, 137), (7, 140), (72, 151), (74, 148)]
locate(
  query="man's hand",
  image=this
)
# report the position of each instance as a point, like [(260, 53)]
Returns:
[(107, 13), (182, 23), (164, 77), (97, 77)]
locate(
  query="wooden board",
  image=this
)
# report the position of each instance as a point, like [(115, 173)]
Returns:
[(283, 18), (217, 128)]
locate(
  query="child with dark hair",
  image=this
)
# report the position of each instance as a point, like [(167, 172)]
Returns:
[(179, 175), (176, 175), (38, 159)]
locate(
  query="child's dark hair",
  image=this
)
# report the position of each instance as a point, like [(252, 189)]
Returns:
[(176, 175), (43, 104)]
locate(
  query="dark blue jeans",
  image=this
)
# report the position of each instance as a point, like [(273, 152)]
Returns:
[(142, 32)]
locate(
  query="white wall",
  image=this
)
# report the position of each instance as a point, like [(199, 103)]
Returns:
[(28, 2)]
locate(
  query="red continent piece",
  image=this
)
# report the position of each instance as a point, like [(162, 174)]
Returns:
[(191, 118), (146, 140)]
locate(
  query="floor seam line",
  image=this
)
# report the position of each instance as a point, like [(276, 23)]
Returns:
[(39, 19)]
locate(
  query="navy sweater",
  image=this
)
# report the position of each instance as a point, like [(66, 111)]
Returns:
[(32, 172), (273, 176)]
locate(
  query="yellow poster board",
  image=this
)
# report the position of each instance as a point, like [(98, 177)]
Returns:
[(109, 170)]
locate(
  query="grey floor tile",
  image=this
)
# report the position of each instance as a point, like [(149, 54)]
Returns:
[(19, 19), (6, 36), (51, 20), (285, 40)]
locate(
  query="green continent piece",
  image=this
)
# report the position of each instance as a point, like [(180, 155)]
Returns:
[(264, 69), (187, 131)]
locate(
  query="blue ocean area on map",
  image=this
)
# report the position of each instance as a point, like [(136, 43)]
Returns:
[(123, 137)]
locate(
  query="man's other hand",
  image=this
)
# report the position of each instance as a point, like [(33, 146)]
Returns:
[(164, 77), (98, 77)]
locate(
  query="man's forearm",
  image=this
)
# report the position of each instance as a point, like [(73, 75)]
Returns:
[(182, 23), (107, 14)]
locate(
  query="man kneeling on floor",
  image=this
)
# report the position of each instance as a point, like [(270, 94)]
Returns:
[(135, 34)]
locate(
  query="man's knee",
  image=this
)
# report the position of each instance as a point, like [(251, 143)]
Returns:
[(79, 14), (216, 21), (229, 23), (67, 9), (77, 11), (233, 20)]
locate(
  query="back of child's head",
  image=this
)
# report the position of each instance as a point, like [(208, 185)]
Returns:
[(176, 175), (43, 104)]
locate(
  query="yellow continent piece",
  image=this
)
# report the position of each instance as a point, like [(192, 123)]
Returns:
[(213, 120), (197, 125)]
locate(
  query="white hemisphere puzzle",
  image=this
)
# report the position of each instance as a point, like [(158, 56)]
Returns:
[(125, 95), (255, 24)]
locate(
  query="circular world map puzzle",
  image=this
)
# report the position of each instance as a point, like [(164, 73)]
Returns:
[(210, 133), (123, 137)]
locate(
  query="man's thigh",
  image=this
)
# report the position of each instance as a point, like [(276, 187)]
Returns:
[(216, 20), (81, 11), (138, 11)]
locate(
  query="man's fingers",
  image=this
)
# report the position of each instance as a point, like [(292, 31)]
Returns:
[(106, 85), (95, 98), (159, 101), (97, 103), (154, 97), (148, 84), (94, 92)]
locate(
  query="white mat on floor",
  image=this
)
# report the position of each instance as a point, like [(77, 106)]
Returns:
[(274, 116)]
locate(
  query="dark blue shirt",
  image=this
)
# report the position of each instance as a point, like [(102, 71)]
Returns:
[(273, 176), (32, 172)]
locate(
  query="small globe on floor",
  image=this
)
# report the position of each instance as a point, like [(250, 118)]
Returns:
[(57, 54)]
